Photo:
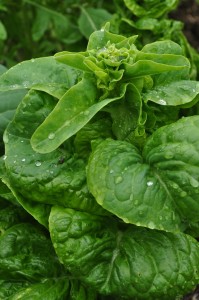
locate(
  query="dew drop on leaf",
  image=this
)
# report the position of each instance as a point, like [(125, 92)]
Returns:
[(162, 102), (149, 183), (23, 159), (151, 225), (51, 136), (38, 163), (183, 194), (194, 182), (4, 157), (168, 155), (118, 179)]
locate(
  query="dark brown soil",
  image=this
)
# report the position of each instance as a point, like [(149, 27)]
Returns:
[(188, 13)]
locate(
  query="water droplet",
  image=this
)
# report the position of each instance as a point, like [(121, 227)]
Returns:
[(149, 183), (23, 159), (151, 225), (168, 155), (183, 194), (4, 157), (51, 172), (51, 136), (14, 161), (32, 60), (38, 163), (174, 185), (22, 141), (25, 84), (194, 182), (162, 102), (111, 171), (118, 179), (15, 86), (102, 29)]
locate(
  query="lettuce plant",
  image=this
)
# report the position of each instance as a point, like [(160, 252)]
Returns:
[(103, 152)]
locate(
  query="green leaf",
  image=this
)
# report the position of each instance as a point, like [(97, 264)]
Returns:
[(98, 39), (129, 263), (158, 189), (44, 74), (75, 60), (154, 8), (50, 289), (65, 30), (174, 93), (40, 180), (3, 32), (40, 24), (26, 253), (77, 107), (92, 19), (10, 215), (10, 287), (97, 130), (9, 101)]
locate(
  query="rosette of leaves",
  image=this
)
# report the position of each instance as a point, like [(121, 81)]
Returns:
[(109, 149), (119, 79)]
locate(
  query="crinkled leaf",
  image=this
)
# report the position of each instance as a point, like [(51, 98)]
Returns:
[(99, 38), (158, 188), (153, 8), (92, 19), (26, 253), (135, 263), (51, 289), (45, 74), (10, 215), (97, 130), (10, 287)]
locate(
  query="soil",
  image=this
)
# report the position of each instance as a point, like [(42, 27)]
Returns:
[(188, 13)]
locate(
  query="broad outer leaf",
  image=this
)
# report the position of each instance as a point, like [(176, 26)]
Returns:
[(45, 74), (40, 180), (131, 263), (158, 188), (174, 93), (9, 101)]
